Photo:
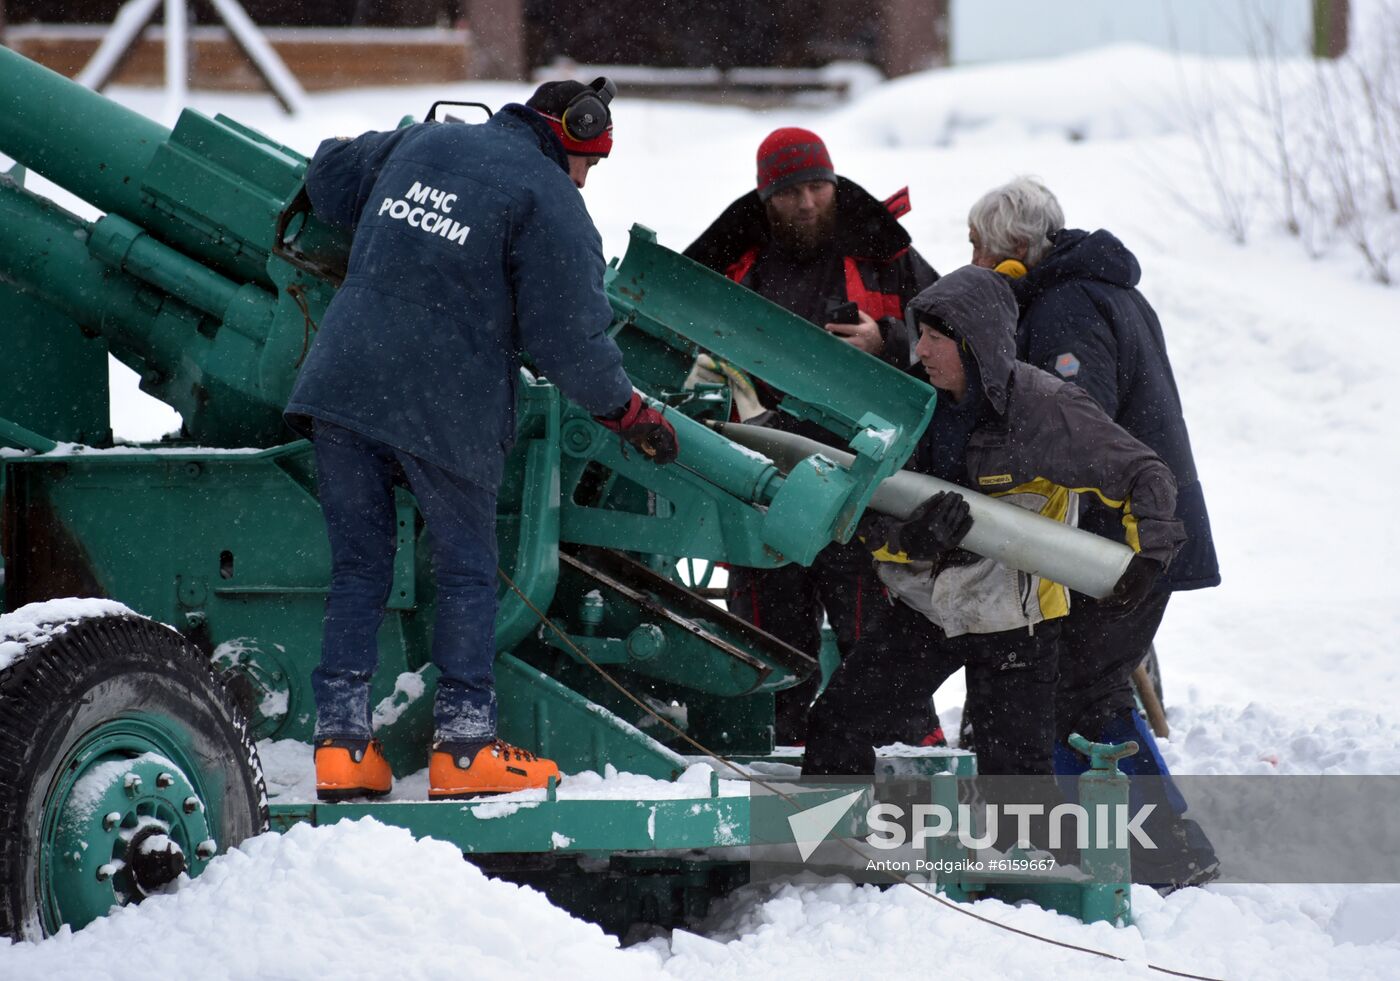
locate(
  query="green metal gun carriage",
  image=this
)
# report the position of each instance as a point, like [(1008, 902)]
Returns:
[(127, 746)]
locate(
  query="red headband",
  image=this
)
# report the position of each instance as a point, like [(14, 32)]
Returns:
[(599, 146)]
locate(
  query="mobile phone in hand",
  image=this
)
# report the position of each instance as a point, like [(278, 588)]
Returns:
[(843, 313)]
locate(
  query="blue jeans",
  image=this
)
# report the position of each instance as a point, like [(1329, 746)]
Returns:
[(355, 478)]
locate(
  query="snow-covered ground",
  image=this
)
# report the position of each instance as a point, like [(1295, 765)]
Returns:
[(1292, 393)]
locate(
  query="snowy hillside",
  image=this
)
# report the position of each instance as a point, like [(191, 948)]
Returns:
[(1292, 393)]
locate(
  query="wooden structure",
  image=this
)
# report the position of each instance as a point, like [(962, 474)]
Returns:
[(343, 43), (321, 58)]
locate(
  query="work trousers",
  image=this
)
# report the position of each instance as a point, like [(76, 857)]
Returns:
[(355, 479), (788, 602), (1099, 650), (902, 657)]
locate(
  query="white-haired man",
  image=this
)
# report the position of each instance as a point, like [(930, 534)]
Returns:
[(1083, 319)]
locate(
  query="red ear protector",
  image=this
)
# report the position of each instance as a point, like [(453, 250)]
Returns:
[(586, 117)]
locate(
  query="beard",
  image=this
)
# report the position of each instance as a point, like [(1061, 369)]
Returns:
[(803, 238)]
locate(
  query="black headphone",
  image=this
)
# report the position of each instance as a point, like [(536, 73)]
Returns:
[(586, 116)]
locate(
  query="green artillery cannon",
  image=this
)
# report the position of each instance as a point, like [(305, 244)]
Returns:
[(126, 751)]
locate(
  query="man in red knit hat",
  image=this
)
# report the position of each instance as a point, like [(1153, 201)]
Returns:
[(814, 243)]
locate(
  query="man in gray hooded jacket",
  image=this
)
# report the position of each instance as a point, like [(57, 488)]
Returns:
[(1011, 430)]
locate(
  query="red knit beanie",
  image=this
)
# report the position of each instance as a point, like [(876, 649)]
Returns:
[(791, 156)]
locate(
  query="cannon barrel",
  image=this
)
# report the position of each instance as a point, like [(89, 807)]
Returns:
[(203, 344), (76, 138), (1013, 536), (210, 188)]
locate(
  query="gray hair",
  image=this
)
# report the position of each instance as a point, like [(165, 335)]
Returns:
[(1020, 211)]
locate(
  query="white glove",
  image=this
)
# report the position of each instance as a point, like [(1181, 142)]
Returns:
[(711, 371)]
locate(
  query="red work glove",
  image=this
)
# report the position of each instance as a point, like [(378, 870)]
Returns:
[(646, 429)]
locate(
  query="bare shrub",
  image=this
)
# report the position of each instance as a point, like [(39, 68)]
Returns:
[(1325, 135)]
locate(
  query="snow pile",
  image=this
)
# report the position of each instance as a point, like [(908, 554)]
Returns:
[(356, 900), (694, 782), (37, 622), (1237, 932), (1264, 739), (1116, 92), (365, 901)]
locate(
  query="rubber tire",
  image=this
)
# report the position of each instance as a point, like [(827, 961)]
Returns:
[(90, 673)]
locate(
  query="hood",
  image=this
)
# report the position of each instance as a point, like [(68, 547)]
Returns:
[(979, 308), (866, 229), (1078, 254)]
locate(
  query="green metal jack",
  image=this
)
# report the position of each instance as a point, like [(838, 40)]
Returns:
[(1097, 889)]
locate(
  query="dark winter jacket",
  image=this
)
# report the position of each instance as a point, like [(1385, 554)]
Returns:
[(1083, 319), (471, 245), (871, 262), (1038, 442)]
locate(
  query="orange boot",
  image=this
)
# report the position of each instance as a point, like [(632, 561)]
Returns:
[(351, 768), (496, 768)]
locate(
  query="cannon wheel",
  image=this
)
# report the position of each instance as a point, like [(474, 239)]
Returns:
[(695, 574), (124, 762)]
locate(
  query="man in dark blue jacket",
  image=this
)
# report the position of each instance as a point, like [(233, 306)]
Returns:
[(471, 244), (1083, 319)]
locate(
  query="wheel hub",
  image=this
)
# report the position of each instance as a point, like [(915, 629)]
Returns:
[(127, 820), (155, 859), (262, 680)]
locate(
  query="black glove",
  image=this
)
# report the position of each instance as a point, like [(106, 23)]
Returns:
[(646, 429), (1134, 585), (936, 526)]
